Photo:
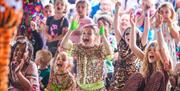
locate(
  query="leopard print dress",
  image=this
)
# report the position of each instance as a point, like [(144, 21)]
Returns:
[(124, 67)]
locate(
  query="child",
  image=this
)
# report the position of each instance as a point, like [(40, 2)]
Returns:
[(23, 71), (170, 31), (108, 63), (105, 9), (89, 57), (61, 78), (82, 8), (43, 57), (125, 66), (56, 25), (156, 63), (48, 10), (34, 37)]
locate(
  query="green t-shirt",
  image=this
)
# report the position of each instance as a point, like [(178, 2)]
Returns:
[(44, 76)]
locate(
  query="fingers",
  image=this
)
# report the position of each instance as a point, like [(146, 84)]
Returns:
[(118, 4)]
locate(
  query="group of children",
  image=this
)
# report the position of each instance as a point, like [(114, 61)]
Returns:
[(135, 51)]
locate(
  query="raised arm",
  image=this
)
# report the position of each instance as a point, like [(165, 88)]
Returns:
[(66, 42), (107, 46), (165, 56), (144, 38), (116, 22), (136, 50)]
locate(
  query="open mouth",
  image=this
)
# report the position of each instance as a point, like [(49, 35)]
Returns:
[(59, 65), (85, 40), (151, 57), (58, 8)]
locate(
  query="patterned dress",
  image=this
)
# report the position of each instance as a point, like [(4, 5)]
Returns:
[(125, 65), (89, 67), (170, 44), (60, 82)]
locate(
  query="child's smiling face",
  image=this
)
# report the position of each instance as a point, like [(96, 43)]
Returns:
[(62, 62), (88, 36), (59, 6)]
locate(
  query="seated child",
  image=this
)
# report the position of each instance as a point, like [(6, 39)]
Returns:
[(43, 58), (61, 79)]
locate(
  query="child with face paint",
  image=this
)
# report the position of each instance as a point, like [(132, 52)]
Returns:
[(23, 71), (89, 56), (61, 78), (156, 63)]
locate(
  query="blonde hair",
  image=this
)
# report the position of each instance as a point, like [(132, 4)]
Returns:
[(170, 6), (145, 70), (49, 6), (65, 5), (44, 57), (64, 56)]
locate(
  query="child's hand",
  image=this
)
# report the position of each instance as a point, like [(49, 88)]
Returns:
[(118, 6), (159, 20), (169, 21), (133, 20), (102, 30), (19, 67), (74, 24)]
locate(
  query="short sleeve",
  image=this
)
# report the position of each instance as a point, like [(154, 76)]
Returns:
[(48, 20), (65, 22)]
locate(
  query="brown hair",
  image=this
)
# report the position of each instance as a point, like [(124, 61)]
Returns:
[(146, 66)]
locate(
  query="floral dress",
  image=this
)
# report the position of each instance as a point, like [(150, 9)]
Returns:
[(89, 67), (124, 67)]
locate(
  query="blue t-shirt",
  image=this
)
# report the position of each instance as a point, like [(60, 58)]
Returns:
[(150, 33)]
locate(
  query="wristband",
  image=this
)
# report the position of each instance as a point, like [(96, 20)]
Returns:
[(170, 27), (74, 25), (101, 31)]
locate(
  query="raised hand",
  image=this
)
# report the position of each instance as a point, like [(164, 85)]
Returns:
[(133, 20), (102, 30), (159, 20), (118, 6), (74, 24), (169, 21)]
